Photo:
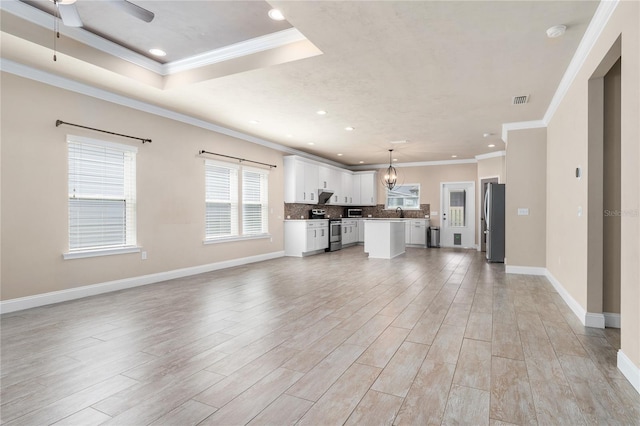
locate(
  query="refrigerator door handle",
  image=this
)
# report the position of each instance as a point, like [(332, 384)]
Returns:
[(486, 207)]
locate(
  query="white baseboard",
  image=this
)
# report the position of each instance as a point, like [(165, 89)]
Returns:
[(629, 370), (28, 302), (526, 270), (611, 320), (577, 309), (594, 320)]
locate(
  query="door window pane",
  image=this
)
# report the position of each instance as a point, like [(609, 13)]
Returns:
[(457, 201)]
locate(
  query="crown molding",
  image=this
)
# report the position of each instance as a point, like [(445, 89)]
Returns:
[(237, 50), (233, 51), (594, 30), (520, 125), (491, 155), (416, 164)]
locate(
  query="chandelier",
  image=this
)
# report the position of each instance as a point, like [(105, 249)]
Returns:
[(391, 175)]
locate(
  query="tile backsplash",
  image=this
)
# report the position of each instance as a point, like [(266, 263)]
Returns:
[(301, 211)]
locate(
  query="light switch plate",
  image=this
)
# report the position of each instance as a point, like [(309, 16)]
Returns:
[(523, 211)]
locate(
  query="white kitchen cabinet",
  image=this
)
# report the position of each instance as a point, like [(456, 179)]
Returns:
[(346, 195), (300, 181), (305, 237), (349, 232), (417, 231), (360, 230), (355, 190), (324, 177), (368, 188), (303, 178)]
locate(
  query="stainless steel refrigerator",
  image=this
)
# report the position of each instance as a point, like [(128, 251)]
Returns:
[(494, 206)]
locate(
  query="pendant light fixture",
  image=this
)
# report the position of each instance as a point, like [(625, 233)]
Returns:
[(391, 175)]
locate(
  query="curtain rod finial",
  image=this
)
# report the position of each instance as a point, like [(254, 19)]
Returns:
[(58, 123)]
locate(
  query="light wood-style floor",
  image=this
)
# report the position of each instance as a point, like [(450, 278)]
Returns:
[(432, 337)]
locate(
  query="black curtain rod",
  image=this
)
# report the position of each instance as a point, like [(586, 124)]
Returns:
[(236, 158), (59, 122)]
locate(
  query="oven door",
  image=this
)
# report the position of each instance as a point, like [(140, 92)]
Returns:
[(335, 235)]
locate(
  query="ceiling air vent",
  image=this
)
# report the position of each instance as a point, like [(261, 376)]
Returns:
[(519, 100)]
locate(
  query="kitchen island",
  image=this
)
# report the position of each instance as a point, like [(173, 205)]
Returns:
[(384, 239)]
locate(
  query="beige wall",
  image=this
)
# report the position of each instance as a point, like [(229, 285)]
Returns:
[(170, 189), (429, 178), (525, 243), (492, 167), (567, 148)]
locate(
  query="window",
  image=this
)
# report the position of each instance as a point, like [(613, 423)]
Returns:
[(255, 203), (102, 195), (405, 196), (223, 192), (457, 199), (222, 200)]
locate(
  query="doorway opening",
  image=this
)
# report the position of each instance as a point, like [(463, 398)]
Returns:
[(604, 192)]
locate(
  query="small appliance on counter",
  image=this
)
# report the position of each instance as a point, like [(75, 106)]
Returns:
[(352, 212), (317, 214)]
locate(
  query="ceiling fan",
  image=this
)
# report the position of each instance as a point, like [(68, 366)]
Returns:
[(71, 18)]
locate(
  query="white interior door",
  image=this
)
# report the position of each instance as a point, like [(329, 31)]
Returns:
[(458, 203)]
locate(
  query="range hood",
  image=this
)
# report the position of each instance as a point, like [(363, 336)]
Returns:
[(324, 195)]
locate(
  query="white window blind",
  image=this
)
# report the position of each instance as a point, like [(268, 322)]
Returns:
[(221, 182), (255, 201), (102, 194)]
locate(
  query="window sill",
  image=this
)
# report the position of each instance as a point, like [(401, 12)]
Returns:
[(236, 238), (100, 252)]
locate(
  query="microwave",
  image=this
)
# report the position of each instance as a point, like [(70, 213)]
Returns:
[(353, 212)]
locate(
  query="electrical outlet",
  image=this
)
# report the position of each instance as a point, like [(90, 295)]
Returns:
[(144, 255), (523, 212)]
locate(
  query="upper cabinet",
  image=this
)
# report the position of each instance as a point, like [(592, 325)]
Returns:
[(346, 194), (368, 188), (303, 178), (301, 181)]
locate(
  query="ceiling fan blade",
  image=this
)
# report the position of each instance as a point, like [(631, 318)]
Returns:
[(69, 15), (134, 10)]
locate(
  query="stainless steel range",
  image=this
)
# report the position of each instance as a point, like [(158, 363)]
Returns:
[(335, 234)]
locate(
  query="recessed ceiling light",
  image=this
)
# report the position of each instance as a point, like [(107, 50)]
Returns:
[(491, 145), (349, 128), (486, 135), (395, 159), (276, 15), (556, 31), (311, 143), (289, 135), (399, 142), (254, 122), (453, 156), (339, 155), (157, 52), (361, 162), (321, 112)]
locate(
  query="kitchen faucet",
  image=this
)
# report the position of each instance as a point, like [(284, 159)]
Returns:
[(401, 212)]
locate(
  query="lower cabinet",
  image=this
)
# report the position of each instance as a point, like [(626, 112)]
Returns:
[(416, 231), (305, 237), (350, 232)]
